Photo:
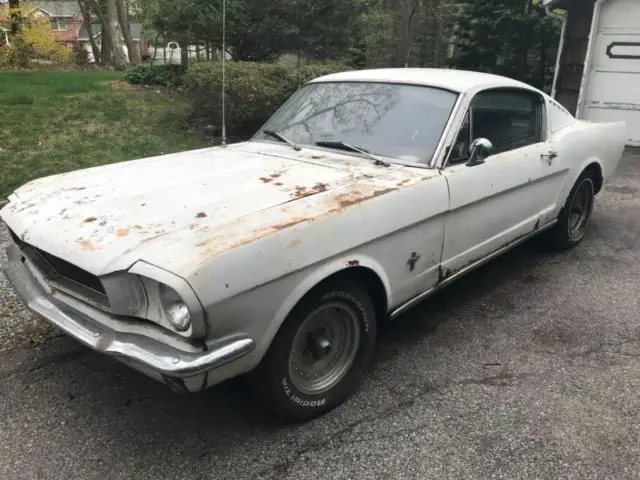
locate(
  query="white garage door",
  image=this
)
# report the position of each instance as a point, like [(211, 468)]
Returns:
[(613, 88)]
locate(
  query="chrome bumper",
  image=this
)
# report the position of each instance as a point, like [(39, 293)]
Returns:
[(138, 351)]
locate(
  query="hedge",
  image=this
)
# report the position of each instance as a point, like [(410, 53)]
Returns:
[(254, 91), (165, 75)]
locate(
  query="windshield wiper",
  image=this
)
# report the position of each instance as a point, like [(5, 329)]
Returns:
[(345, 146), (282, 138)]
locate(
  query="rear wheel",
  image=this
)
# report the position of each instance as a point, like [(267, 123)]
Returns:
[(575, 215), (319, 356)]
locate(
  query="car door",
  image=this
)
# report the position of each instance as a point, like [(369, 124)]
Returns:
[(500, 200)]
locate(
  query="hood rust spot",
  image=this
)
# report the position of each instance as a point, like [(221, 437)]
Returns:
[(334, 205), (86, 244), (292, 222), (89, 220), (270, 178), (303, 191), (201, 215), (122, 232), (299, 192), (158, 234), (354, 198), (278, 184)]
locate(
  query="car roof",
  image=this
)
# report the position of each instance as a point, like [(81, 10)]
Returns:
[(450, 79)]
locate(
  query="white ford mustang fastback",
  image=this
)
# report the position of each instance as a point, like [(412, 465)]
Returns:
[(276, 257)]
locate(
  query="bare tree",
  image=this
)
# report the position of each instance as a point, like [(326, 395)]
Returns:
[(86, 14), (111, 32), (114, 30), (123, 16)]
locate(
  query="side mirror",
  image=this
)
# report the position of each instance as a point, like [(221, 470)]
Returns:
[(479, 150)]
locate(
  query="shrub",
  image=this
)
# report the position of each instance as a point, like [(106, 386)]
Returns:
[(296, 78), (254, 91), (164, 75), (34, 40)]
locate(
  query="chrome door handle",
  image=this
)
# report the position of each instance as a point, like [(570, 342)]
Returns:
[(548, 157)]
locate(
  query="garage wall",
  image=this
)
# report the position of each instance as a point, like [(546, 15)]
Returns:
[(574, 51), (612, 90)]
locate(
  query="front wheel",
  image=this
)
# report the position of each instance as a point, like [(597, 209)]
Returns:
[(575, 215), (319, 356)]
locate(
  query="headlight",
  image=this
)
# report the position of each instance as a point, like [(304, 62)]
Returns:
[(175, 309), (170, 301)]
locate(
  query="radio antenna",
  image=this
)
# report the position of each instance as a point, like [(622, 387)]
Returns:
[(224, 55)]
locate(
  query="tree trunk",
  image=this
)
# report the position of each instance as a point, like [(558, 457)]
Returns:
[(86, 15), (123, 17), (14, 15), (97, 54), (184, 55), (113, 31), (155, 50), (542, 66), (438, 38), (106, 47), (405, 33), (107, 50)]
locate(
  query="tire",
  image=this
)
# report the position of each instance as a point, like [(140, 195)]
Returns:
[(282, 380), (570, 230)]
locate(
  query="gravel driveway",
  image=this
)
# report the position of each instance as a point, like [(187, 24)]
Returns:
[(527, 368)]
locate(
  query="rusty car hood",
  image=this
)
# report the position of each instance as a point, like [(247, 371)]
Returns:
[(94, 217)]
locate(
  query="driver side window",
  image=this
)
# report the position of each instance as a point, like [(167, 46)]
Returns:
[(508, 119)]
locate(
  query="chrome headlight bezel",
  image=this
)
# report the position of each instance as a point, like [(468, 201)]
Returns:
[(138, 293)]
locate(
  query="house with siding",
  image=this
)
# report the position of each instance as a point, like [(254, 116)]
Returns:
[(65, 19), (67, 24)]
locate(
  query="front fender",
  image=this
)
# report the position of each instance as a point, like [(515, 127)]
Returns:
[(314, 276)]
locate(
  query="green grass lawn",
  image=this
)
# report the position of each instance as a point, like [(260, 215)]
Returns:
[(52, 122)]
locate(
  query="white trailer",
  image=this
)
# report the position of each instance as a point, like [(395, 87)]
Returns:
[(606, 63)]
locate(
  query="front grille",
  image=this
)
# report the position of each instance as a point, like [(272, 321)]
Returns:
[(65, 276), (72, 272)]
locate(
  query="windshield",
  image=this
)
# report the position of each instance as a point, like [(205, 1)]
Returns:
[(392, 120)]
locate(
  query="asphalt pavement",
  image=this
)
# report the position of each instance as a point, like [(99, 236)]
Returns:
[(527, 368)]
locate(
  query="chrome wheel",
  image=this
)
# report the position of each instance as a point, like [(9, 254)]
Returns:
[(580, 210), (324, 348)]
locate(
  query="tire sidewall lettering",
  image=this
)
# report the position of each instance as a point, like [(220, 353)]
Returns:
[(347, 298), (298, 401)]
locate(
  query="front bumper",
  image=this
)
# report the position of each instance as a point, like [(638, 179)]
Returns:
[(98, 330)]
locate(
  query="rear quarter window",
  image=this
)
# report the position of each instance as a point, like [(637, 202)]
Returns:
[(559, 117)]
